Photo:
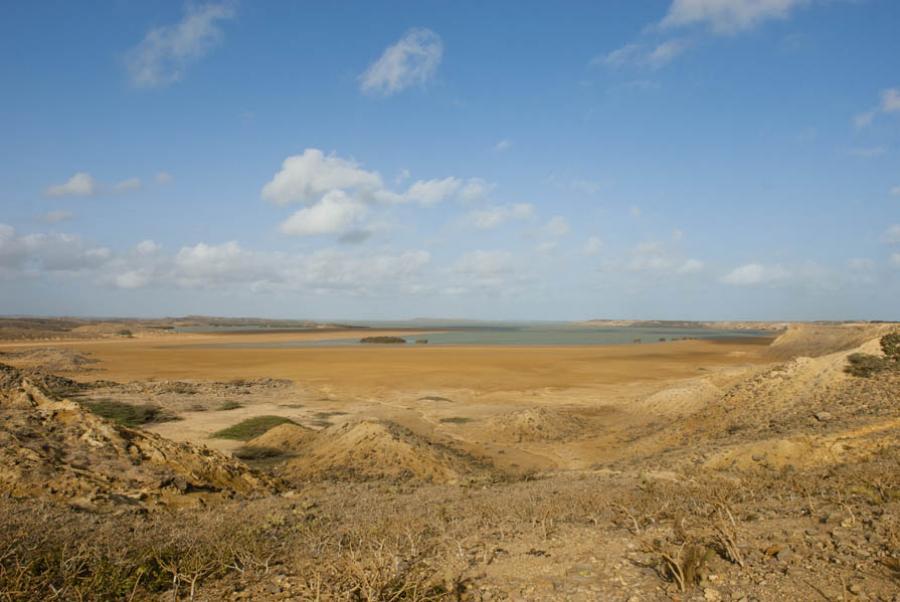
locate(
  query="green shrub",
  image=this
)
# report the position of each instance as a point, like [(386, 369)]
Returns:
[(254, 452), (129, 414), (890, 345), (864, 364), (252, 427), (229, 405)]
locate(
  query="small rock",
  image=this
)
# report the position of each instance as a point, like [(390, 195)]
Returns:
[(824, 416), (712, 595)]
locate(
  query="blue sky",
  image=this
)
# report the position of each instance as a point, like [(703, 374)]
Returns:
[(682, 159)]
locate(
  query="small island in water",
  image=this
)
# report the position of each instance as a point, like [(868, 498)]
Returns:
[(383, 339)]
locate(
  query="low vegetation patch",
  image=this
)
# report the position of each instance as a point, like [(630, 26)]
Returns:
[(456, 420), (383, 340), (866, 364), (229, 405), (252, 427), (255, 452), (127, 414)]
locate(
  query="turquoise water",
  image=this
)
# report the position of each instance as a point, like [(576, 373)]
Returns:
[(525, 335)]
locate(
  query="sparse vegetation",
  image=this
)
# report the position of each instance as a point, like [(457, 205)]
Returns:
[(229, 405), (456, 420), (127, 414), (865, 364), (253, 452), (383, 340), (251, 427)]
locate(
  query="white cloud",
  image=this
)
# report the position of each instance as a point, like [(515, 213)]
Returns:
[(727, 16), (334, 214), (895, 260), (55, 217), (557, 226), (547, 247), (755, 274), (413, 60), (889, 102), (592, 245), (166, 52), (867, 152), (132, 279), (431, 192), (665, 52), (895, 191), (892, 234), (475, 189), (503, 145), (641, 55), (635, 211), (677, 234), (147, 247), (51, 252), (691, 266), (127, 185), (484, 264), (403, 176), (80, 184), (163, 177), (492, 217), (865, 119), (305, 178)]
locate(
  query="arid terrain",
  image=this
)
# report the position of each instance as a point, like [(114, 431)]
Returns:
[(143, 462)]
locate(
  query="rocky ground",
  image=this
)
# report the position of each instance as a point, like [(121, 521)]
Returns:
[(780, 482)]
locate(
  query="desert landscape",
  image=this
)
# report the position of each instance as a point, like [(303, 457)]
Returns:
[(164, 464), (435, 301)]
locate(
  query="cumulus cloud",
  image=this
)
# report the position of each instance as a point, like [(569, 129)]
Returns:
[(753, 274), (55, 217), (557, 226), (340, 193), (727, 16), (147, 247), (127, 185), (491, 217), (80, 184), (892, 234), (431, 192), (166, 52), (305, 178), (475, 189), (83, 184), (691, 266), (335, 213), (592, 245), (889, 102), (43, 252), (413, 60)]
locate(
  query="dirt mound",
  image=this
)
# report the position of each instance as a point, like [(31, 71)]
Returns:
[(54, 448), (51, 359), (537, 424), (815, 340), (370, 449), (287, 437)]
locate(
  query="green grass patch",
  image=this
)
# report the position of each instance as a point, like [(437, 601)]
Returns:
[(252, 427), (229, 405), (456, 420), (129, 414)]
